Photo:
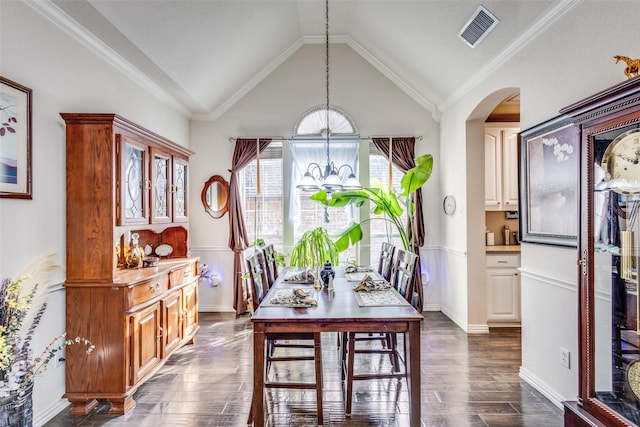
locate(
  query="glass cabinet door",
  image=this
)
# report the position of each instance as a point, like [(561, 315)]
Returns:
[(613, 286), (133, 182), (180, 179), (160, 187)]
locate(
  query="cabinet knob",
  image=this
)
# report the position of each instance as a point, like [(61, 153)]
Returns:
[(155, 287)]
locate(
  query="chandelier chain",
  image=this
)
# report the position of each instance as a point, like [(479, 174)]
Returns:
[(327, 69)]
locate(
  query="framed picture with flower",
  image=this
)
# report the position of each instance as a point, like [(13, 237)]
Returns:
[(15, 140), (549, 167)]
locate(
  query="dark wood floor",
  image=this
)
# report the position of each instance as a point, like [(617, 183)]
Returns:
[(467, 380)]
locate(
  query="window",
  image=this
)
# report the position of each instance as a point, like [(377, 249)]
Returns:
[(383, 231), (263, 212), (265, 215)]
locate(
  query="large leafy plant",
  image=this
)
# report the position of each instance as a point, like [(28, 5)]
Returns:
[(383, 201), (314, 248)]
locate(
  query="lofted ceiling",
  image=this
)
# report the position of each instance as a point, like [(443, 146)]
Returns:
[(203, 55)]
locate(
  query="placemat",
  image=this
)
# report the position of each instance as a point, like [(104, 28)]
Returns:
[(359, 276), (379, 298), (282, 294)]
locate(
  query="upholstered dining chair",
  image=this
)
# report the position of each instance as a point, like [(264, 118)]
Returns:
[(258, 280), (401, 280)]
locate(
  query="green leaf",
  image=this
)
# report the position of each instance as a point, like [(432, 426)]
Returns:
[(415, 177), (320, 197), (350, 235)]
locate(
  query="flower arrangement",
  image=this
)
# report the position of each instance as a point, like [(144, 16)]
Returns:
[(17, 364)]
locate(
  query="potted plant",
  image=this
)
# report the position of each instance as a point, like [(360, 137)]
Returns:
[(18, 366), (383, 201), (314, 248)]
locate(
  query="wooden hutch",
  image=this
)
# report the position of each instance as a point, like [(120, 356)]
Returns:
[(609, 257), (124, 179)]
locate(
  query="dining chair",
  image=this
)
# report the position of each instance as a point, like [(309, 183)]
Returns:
[(401, 280), (271, 264), (385, 262), (292, 340)]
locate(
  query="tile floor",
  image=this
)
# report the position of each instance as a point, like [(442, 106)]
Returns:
[(467, 380)]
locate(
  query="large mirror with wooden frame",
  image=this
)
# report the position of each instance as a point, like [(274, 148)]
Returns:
[(215, 196)]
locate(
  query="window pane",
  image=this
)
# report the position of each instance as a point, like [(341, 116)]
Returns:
[(381, 230), (263, 212)]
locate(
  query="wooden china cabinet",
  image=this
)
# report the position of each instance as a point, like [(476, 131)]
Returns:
[(609, 251), (123, 179)]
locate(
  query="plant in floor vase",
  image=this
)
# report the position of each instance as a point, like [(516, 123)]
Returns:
[(18, 366), (383, 201)]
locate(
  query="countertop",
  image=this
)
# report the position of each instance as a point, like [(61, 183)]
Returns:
[(502, 248)]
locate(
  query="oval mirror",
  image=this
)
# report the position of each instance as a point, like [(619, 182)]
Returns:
[(215, 196)]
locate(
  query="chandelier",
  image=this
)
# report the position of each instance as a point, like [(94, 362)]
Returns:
[(329, 177)]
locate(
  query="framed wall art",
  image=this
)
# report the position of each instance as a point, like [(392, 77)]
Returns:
[(15, 140), (549, 167)]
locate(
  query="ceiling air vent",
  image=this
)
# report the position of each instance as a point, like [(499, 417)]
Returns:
[(477, 28)]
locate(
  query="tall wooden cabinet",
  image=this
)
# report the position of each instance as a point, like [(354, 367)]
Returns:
[(609, 256), (124, 179)]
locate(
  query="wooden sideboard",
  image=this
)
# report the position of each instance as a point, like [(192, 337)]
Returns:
[(121, 179)]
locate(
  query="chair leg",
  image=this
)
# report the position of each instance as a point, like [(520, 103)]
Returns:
[(318, 366), (351, 358), (343, 357)]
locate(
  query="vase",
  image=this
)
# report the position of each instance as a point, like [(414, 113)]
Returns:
[(327, 272), (16, 409)]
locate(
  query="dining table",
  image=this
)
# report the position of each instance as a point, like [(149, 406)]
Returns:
[(338, 309)]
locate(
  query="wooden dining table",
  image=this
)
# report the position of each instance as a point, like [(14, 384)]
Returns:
[(337, 311)]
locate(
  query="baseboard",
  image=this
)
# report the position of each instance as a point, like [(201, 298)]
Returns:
[(541, 386), (214, 309), (431, 307), (478, 329), (43, 417)]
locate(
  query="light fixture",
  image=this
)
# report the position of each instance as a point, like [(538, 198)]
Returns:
[(328, 178)]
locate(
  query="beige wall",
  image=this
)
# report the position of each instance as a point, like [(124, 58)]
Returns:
[(65, 76)]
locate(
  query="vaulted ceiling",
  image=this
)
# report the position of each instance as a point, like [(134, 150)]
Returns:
[(205, 54)]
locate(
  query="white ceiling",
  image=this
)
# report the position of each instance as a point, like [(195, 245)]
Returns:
[(205, 54)]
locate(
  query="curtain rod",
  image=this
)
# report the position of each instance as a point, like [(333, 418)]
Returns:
[(282, 138), (273, 138), (419, 137)]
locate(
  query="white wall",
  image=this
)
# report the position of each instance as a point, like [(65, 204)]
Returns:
[(272, 108), (65, 77), (569, 62)]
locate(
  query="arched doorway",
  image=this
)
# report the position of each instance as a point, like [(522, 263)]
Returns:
[(476, 214)]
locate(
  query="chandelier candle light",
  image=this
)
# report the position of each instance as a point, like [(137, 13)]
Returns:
[(330, 176)]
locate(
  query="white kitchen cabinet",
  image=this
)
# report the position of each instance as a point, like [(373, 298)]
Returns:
[(501, 167), (503, 289)]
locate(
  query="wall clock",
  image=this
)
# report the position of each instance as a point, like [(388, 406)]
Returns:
[(449, 205)]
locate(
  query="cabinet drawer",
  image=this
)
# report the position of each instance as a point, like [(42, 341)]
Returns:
[(182, 274), (149, 289), (503, 260)]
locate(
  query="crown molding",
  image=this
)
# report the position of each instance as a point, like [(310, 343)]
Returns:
[(70, 26), (530, 34)]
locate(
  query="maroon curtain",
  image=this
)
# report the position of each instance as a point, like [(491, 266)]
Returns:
[(244, 153), (403, 157)]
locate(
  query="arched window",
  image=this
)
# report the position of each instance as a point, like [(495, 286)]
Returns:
[(309, 144), (314, 123)]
